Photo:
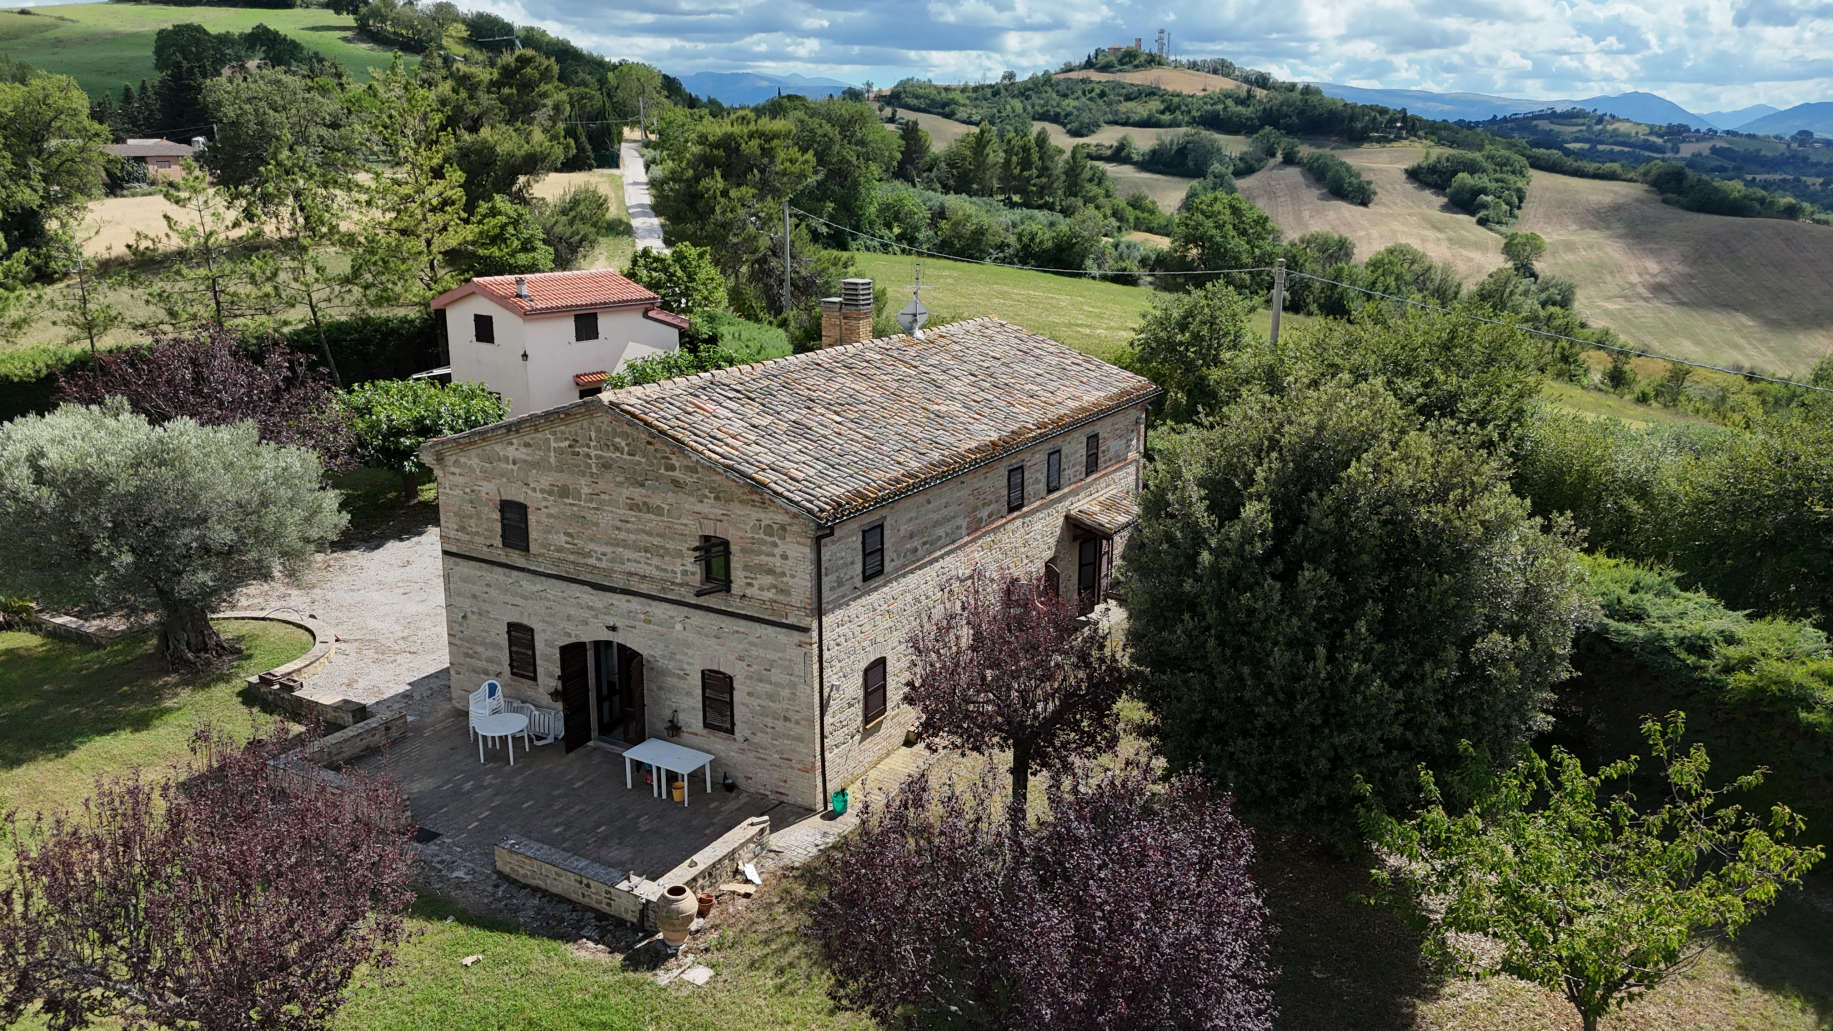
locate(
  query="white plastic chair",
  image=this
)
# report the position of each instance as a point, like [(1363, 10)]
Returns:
[(485, 701), (545, 726)]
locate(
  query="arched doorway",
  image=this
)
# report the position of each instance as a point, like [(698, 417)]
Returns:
[(601, 693)]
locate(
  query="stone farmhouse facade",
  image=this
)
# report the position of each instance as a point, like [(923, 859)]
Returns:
[(737, 558), (551, 338)]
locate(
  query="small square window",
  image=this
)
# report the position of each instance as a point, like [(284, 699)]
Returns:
[(872, 551), (1015, 488), (716, 710), (1053, 472), (483, 327), (522, 651), (585, 326), (514, 517), (1091, 457), (874, 688), (715, 557)]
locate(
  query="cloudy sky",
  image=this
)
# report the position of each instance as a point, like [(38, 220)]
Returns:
[(1702, 54)]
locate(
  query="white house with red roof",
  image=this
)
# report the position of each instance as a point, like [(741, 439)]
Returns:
[(551, 338)]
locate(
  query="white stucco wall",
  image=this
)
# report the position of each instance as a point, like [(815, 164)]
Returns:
[(554, 357)]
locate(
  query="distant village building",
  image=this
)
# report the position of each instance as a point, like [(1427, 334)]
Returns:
[(738, 558), (553, 337), (163, 159)]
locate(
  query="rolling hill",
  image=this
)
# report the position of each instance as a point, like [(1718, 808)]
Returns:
[(106, 46), (757, 87), (1816, 118), (1740, 117), (1706, 287), (1635, 106), (1177, 80)]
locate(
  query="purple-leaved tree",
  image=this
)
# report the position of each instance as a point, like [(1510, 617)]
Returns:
[(1012, 666), (220, 901), (1129, 904)]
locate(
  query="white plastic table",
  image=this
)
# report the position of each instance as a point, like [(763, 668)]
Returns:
[(669, 758), (505, 725)]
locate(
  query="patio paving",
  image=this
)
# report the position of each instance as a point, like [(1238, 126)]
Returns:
[(576, 802)]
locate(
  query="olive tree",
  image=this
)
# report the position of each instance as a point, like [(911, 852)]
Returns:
[(1583, 887), (102, 509), (1323, 589)]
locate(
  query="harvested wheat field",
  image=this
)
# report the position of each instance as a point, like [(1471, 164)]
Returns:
[(116, 221), (1708, 287), (942, 131), (1177, 80), (1165, 190), (1402, 212)]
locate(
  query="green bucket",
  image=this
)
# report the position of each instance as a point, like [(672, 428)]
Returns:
[(839, 802)]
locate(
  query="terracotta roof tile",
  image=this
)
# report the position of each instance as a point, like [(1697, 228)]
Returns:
[(587, 379), (667, 318), (549, 292), (1108, 514), (836, 431), (149, 149)]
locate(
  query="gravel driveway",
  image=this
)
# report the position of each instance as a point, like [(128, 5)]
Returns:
[(385, 601)]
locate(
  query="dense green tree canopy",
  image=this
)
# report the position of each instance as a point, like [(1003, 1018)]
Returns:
[(1224, 231), (101, 509), (1321, 590), (685, 277), (51, 161)]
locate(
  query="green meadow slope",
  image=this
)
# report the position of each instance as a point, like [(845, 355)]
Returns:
[(106, 46)]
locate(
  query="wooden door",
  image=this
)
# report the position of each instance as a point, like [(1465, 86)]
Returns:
[(575, 695), (1088, 572), (636, 725)]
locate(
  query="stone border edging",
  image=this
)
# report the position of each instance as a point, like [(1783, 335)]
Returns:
[(341, 713)]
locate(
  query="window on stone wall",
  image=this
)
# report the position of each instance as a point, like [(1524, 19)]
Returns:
[(715, 557), (514, 517), (871, 551), (585, 326), (1053, 472), (1091, 454), (874, 687), (1015, 488), (483, 327), (522, 651), (716, 701)]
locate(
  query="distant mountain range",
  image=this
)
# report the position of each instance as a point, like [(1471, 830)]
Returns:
[(1635, 106), (757, 87)]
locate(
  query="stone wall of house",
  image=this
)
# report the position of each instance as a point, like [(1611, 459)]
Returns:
[(616, 508), (932, 541)]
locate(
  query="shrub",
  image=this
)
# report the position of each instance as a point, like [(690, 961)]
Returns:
[(1339, 177), (685, 277), (936, 911), (393, 418), (572, 224), (368, 347)]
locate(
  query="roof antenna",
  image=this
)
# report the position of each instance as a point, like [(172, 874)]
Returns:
[(914, 314)]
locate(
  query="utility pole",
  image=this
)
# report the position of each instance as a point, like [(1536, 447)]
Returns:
[(1279, 295), (786, 257)]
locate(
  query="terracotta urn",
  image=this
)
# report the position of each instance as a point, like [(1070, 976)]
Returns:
[(675, 913), (705, 906)]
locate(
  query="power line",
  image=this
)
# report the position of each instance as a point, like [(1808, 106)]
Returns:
[(1023, 268), (1561, 336)]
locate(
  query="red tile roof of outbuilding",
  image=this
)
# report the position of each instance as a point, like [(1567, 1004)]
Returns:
[(552, 292)]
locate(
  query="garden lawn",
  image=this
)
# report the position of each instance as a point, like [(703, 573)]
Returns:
[(69, 711)]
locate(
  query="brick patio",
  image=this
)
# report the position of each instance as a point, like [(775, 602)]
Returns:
[(576, 802)]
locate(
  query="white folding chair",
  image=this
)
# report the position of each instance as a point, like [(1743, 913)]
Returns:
[(545, 726)]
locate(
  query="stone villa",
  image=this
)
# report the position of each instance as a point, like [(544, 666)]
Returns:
[(737, 558)]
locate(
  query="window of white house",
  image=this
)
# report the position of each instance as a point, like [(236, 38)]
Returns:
[(483, 327), (873, 685), (716, 710), (714, 554), (585, 326)]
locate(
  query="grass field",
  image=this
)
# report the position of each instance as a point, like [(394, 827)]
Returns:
[(106, 46), (1705, 287), (1167, 191), (942, 131), (69, 712), (1177, 80)]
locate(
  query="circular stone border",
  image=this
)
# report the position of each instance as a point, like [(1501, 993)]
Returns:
[(324, 642)]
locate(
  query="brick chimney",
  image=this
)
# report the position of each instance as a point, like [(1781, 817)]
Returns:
[(847, 319)]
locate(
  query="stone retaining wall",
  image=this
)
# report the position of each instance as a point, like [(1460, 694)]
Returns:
[(311, 762), (616, 892)]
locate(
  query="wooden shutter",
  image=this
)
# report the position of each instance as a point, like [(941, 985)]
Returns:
[(1015, 488), (871, 551), (522, 651), (874, 687), (514, 515), (1053, 471), (716, 701), (1091, 458), (585, 326)]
